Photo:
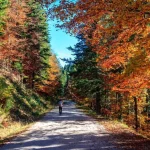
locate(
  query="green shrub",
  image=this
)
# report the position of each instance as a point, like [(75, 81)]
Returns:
[(5, 92)]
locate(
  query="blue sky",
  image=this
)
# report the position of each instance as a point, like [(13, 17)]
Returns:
[(60, 41)]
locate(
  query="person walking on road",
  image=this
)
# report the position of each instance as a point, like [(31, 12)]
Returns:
[(60, 106)]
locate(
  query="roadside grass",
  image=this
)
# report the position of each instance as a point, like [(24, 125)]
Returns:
[(11, 129), (22, 108)]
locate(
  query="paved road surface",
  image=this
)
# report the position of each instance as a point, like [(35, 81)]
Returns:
[(73, 130)]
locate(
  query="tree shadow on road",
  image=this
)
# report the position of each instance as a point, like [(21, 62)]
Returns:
[(44, 141), (50, 138)]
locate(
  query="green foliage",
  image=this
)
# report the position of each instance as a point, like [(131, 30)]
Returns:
[(18, 66), (21, 104), (3, 6), (84, 73), (64, 80), (9, 105), (37, 25), (5, 90), (132, 37), (5, 98)]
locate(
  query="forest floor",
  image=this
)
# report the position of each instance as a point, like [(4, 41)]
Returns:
[(74, 130)]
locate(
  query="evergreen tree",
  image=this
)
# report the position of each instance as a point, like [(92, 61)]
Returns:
[(85, 77), (38, 48)]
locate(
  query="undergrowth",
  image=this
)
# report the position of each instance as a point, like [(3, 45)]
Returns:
[(19, 107), (111, 124)]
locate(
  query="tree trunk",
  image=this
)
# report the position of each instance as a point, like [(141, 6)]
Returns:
[(32, 80), (147, 102), (128, 100), (120, 105), (98, 101), (136, 113)]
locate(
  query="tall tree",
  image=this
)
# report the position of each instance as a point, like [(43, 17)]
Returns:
[(37, 51), (86, 80)]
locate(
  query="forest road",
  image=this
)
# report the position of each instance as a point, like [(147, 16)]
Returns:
[(73, 130)]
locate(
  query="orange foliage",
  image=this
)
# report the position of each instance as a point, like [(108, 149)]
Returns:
[(118, 31), (11, 40), (52, 83)]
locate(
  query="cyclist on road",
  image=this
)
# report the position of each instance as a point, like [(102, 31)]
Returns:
[(60, 106)]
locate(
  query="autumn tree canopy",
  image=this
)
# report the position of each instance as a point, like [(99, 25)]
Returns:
[(25, 48), (118, 30)]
